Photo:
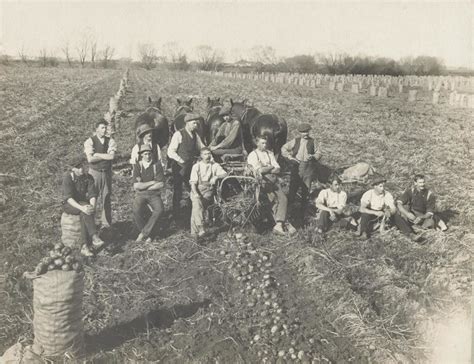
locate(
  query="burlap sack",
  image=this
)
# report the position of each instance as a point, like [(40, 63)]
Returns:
[(57, 306), (71, 230)]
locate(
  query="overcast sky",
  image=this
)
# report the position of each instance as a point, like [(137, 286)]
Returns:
[(393, 29)]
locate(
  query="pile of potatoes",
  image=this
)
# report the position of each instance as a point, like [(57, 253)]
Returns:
[(59, 258)]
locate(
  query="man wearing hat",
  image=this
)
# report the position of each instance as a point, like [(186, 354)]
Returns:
[(228, 139), (148, 180), (301, 154), (144, 134), (183, 150), (100, 152), (204, 176), (79, 198), (378, 205)]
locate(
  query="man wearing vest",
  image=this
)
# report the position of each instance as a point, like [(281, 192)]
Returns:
[(265, 168), (144, 133), (417, 205), (183, 150), (79, 197), (378, 205), (301, 154), (148, 180), (100, 152), (204, 176), (228, 139)]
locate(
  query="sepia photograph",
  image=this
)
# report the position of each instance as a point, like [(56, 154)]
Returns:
[(237, 181)]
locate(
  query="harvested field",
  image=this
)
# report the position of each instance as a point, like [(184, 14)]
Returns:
[(258, 297)]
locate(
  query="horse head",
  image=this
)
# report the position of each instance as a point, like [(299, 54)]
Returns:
[(183, 107), (154, 105), (214, 103)]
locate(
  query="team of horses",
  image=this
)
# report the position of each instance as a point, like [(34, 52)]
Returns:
[(253, 122)]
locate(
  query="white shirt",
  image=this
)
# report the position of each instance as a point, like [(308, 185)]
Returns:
[(89, 146), (258, 159), (176, 141), (377, 202), (332, 199), (204, 172), (134, 155)]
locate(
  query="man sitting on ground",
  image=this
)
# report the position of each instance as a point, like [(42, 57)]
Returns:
[(204, 176), (79, 198), (417, 205), (265, 168), (331, 202), (377, 204), (148, 180), (228, 139)]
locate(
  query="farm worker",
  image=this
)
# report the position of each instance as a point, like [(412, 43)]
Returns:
[(204, 176), (331, 202), (144, 133), (183, 150), (148, 180), (377, 204), (301, 153), (100, 152), (265, 168), (79, 198), (228, 139), (417, 205)]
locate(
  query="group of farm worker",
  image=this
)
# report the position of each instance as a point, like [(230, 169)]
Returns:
[(196, 166)]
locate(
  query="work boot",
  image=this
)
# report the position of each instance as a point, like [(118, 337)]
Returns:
[(290, 228), (97, 242), (86, 251), (278, 229), (139, 238)]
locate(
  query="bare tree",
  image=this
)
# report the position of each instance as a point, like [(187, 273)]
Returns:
[(208, 58), (66, 50), (93, 48), (43, 57), (82, 48), (263, 54), (147, 54), (107, 54), (22, 54), (172, 52)]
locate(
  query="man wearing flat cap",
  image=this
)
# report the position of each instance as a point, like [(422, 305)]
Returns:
[(183, 151), (228, 139), (301, 154), (148, 180), (377, 204), (79, 198), (144, 134)]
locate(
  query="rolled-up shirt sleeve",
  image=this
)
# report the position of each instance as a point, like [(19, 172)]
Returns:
[(134, 155), (273, 160), (173, 147), (253, 161), (89, 148), (287, 149), (389, 201), (112, 146), (342, 200), (219, 171), (194, 178)]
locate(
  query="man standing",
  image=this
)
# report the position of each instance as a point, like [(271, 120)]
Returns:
[(183, 150), (204, 176), (378, 205), (79, 198), (144, 133), (417, 205), (265, 168), (331, 202), (100, 152), (228, 139), (148, 180), (301, 154)]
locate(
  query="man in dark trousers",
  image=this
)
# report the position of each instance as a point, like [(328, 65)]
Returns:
[(148, 180), (301, 154), (183, 151), (79, 198), (228, 139), (100, 152), (417, 205)]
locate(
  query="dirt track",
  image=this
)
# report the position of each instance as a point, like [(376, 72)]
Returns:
[(175, 301)]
